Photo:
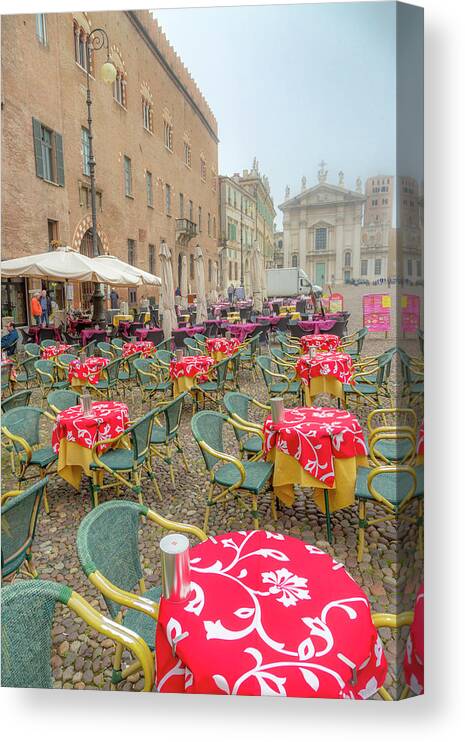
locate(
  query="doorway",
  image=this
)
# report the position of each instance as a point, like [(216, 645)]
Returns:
[(320, 274)]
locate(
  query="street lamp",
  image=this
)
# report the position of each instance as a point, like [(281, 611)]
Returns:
[(96, 40)]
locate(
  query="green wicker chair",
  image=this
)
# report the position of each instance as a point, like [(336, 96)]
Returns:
[(236, 479), (109, 379), (90, 349), (392, 487), (214, 388), (238, 407), (62, 399), (289, 349), (18, 399), (165, 435), (165, 345), (192, 347), (232, 376), (22, 427), (6, 377), (163, 357), (64, 359), (117, 343), (277, 383), (28, 609), (394, 421), (48, 344), (412, 378), (26, 373), (370, 384), (353, 344), (106, 350), (249, 354), (32, 350), (284, 363), (151, 380), (46, 372), (108, 550), (118, 460), (20, 510), (200, 340)]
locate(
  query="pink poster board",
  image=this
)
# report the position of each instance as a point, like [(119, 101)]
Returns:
[(410, 312), (336, 303), (377, 312)]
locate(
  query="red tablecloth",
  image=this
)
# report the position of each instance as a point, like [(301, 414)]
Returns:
[(268, 615), (314, 436), (108, 420), (88, 370), (34, 332), (338, 365), (414, 654), (316, 326), (145, 347), (101, 336), (51, 351), (241, 329), (222, 345), (190, 366), (322, 342)]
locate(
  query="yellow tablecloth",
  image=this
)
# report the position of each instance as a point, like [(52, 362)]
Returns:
[(117, 318), (182, 384), (78, 384), (288, 472), (322, 385), (73, 461)]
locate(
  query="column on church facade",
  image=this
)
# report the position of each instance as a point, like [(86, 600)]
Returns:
[(303, 244), (356, 243), (286, 244), (339, 246)]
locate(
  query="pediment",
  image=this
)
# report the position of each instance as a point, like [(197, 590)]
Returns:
[(321, 194)]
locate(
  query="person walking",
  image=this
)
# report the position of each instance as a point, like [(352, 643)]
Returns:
[(114, 299), (231, 293), (44, 307), (36, 309)]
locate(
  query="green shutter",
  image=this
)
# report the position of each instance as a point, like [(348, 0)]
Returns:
[(60, 169), (37, 135)]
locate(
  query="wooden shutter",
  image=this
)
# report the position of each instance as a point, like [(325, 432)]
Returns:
[(37, 135), (60, 169)]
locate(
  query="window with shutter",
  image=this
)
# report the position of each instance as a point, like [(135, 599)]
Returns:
[(60, 169), (37, 134)]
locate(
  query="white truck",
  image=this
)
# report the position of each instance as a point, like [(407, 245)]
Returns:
[(281, 282)]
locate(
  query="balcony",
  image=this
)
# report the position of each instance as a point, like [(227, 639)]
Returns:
[(185, 230)]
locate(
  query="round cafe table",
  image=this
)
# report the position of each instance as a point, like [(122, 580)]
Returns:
[(145, 347), (414, 653), (183, 373), (81, 373), (220, 348), (74, 435), (325, 373), (268, 615), (316, 447), (320, 342), (52, 351)]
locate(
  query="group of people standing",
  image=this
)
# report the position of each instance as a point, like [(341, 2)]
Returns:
[(41, 307)]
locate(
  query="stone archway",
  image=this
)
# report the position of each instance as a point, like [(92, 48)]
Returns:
[(87, 248), (84, 225)]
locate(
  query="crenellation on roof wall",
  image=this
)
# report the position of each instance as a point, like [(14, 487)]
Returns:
[(158, 36)]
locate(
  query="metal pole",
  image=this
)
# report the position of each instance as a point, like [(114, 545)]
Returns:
[(242, 252)]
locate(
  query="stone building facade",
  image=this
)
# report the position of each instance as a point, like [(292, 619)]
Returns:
[(155, 144), (278, 257), (322, 230)]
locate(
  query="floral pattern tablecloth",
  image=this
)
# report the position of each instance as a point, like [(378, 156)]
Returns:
[(321, 342), (145, 347), (51, 351), (268, 615), (414, 654), (108, 420), (190, 366), (88, 370), (338, 365), (222, 345), (315, 436)]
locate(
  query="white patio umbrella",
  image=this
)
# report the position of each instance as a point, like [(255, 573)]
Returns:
[(183, 287), (202, 315), (127, 272), (214, 288), (169, 321), (65, 264), (256, 278)]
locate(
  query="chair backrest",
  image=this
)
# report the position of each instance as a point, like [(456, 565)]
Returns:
[(221, 372), (106, 351), (28, 608), (64, 359), (172, 413), (140, 433), (43, 370), (62, 399), (107, 541), (165, 345), (145, 370), (90, 348), (192, 346), (32, 349), (207, 426), (111, 371), (200, 338), (237, 404), (6, 375), (48, 343), (265, 365), (25, 423), (19, 520), (19, 399), (28, 366), (117, 342), (164, 357)]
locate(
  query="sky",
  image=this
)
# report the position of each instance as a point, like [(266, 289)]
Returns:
[(295, 84)]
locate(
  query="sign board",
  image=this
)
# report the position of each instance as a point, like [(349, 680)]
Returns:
[(377, 312), (336, 303), (410, 312)]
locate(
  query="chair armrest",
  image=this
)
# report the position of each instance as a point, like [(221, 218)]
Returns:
[(263, 406), (8, 495), (392, 620), (228, 458), (172, 525), (247, 427), (22, 442), (390, 470), (134, 643)]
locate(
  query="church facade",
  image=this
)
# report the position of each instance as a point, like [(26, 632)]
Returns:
[(322, 230)]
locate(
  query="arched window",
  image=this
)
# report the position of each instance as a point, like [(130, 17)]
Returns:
[(347, 259), (294, 262), (81, 36), (119, 88), (147, 114)]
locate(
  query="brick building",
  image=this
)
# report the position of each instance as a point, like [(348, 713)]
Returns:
[(155, 145)]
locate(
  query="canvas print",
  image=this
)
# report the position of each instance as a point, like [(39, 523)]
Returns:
[(212, 351)]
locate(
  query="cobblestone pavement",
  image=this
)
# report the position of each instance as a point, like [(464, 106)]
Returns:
[(390, 572)]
